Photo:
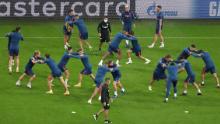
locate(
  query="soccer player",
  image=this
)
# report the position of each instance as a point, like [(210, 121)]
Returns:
[(82, 30), (87, 67), (172, 79), (99, 79), (159, 72), (105, 100), (15, 37), (114, 46), (68, 27), (36, 58), (136, 48), (159, 27), (55, 73), (209, 67), (9, 43), (127, 18), (185, 54), (190, 77), (104, 31), (63, 62), (116, 74)]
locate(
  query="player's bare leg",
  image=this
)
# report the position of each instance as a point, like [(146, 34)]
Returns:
[(154, 41), (197, 88), (29, 84), (119, 58), (18, 83), (129, 57), (88, 44), (50, 81), (66, 93), (67, 75), (217, 80), (203, 77), (185, 86), (103, 58), (81, 44), (161, 40), (17, 63), (79, 84), (151, 84), (106, 114), (147, 61), (66, 41), (95, 92), (10, 64), (115, 89)]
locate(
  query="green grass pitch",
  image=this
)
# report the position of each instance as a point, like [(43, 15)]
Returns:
[(138, 106)]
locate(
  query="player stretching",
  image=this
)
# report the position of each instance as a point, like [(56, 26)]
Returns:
[(159, 27), (63, 62), (83, 31), (209, 67), (87, 67), (15, 37), (136, 48), (114, 46), (185, 54), (55, 73), (99, 79), (105, 100), (159, 72), (104, 30), (68, 27), (127, 18), (28, 69), (172, 79), (116, 74), (190, 77)]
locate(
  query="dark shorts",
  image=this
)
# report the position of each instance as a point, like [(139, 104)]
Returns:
[(104, 37), (159, 76), (56, 74), (62, 68), (158, 30), (137, 52), (112, 50), (98, 84), (14, 52), (66, 32), (106, 106), (210, 69), (127, 27), (190, 79), (84, 36), (29, 72), (86, 71), (116, 78)]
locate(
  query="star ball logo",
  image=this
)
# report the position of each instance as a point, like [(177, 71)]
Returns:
[(151, 11)]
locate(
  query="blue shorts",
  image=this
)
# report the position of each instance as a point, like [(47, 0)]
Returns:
[(210, 69), (56, 74), (159, 76), (98, 83), (191, 79), (137, 52), (117, 78), (84, 36), (127, 27), (86, 71), (29, 72), (14, 52), (66, 32), (62, 68), (111, 49), (158, 29)]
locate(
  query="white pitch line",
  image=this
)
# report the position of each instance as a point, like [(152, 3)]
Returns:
[(141, 37)]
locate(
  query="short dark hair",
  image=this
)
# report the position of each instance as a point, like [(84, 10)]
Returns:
[(69, 11), (168, 56), (69, 48), (17, 28), (159, 6), (193, 45), (47, 55)]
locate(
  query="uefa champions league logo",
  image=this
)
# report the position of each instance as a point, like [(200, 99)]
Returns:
[(151, 10)]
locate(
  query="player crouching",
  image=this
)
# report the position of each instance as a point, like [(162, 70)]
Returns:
[(28, 69), (105, 100)]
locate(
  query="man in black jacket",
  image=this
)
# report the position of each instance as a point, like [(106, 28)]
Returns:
[(104, 30), (105, 99)]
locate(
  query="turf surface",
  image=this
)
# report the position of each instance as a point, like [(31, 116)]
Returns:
[(138, 106)]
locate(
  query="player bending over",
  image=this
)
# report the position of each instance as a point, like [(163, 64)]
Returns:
[(64, 61), (114, 46), (83, 31), (15, 37), (209, 67), (68, 27), (105, 100), (185, 54), (136, 48), (159, 27), (87, 67), (99, 79), (116, 74), (36, 58), (190, 77), (104, 30), (55, 73), (159, 72)]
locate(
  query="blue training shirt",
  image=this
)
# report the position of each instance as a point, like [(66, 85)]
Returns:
[(135, 45), (207, 60), (188, 67), (185, 53), (160, 66), (118, 38), (81, 25), (15, 38), (172, 71), (52, 65), (65, 58), (159, 19), (101, 72), (128, 17)]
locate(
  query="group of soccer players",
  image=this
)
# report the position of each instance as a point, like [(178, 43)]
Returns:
[(173, 67)]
